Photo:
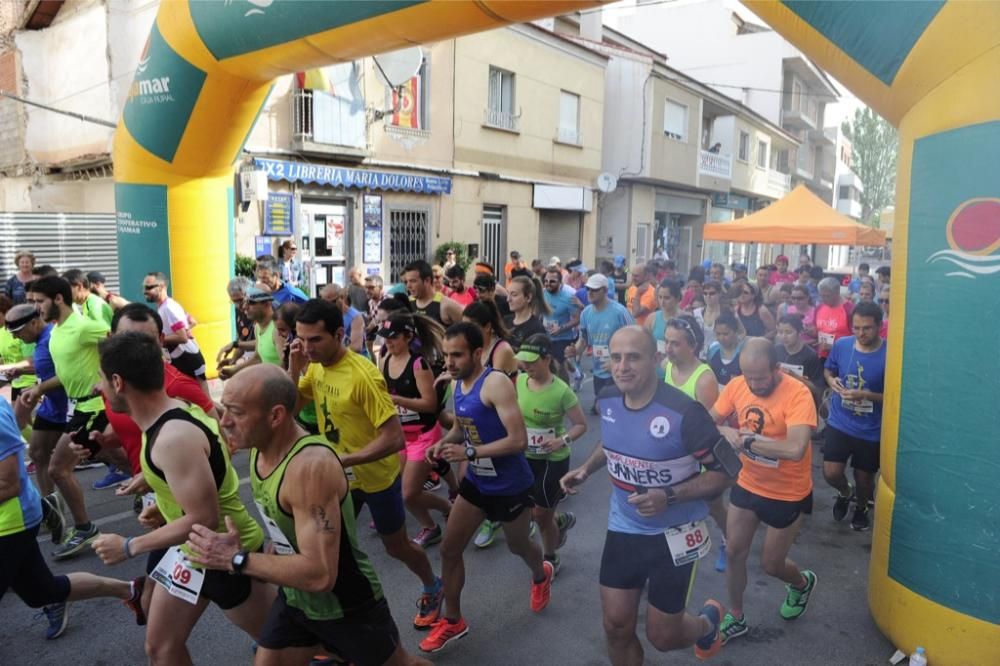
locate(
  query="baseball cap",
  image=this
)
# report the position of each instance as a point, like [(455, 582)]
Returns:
[(255, 295), (394, 326), (597, 281), (740, 268), (578, 268), (781, 257), (619, 260), (96, 276), (529, 353), (20, 316), (514, 254), (554, 260)]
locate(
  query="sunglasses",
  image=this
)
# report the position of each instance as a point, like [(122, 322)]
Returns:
[(883, 300), (481, 290), (150, 287), (592, 289)]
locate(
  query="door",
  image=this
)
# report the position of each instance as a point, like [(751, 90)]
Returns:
[(408, 240), (559, 235), (494, 237), (326, 240), (642, 253)]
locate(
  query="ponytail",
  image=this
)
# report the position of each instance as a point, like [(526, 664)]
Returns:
[(485, 313), (532, 285)]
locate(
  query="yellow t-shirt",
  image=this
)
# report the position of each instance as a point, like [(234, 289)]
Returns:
[(351, 403)]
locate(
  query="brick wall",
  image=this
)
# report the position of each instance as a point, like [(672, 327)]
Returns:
[(12, 118)]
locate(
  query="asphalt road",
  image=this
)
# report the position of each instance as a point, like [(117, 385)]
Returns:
[(837, 629)]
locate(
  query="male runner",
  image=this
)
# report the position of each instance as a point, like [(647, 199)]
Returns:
[(490, 436), (268, 273), (22, 566), (776, 415), (73, 347), (360, 422), (419, 280), (561, 324), (185, 355), (90, 305), (640, 297), (186, 463), (258, 305), (598, 323), (98, 287), (654, 440), (855, 370), (329, 593), (833, 315)]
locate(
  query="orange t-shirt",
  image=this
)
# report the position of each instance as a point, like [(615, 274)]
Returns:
[(790, 404), (647, 300)]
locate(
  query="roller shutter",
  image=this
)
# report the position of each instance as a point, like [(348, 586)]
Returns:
[(559, 235), (64, 240)]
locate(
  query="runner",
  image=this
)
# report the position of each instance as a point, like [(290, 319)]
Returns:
[(715, 303), (489, 435), (419, 279), (599, 321), (89, 304), (22, 566), (329, 593), (268, 273), (258, 305), (724, 355), (781, 273), (668, 298), (757, 319), (359, 421), (187, 465), (354, 319), (457, 289), (73, 347), (833, 315), (654, 440), (855, 371), (797, 358), (184, 352), (561, 323), (641, 296), (410, 340), (776, 416), (527, 306), (546, 401), (683, 370), (16, 358), (97, 286)]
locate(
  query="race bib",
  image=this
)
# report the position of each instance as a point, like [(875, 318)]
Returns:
[(535, 438), (70, 409), (826, 338), (661, 346), (483, 467), (178, 576), (797, 370), (407, 415), (688, 543), (148, 500), (350, 475), (758, 459), (859, 406), (550, 325), (602, 352), (278, 538)]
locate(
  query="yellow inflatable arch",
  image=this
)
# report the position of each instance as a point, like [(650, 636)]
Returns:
[(930, 67)]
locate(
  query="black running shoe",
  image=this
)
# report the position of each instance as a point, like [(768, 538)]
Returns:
[(862, 521), (841, 504)]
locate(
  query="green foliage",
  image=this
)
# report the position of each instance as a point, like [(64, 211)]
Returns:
[(245, 266), (461, 256), (875, 146)]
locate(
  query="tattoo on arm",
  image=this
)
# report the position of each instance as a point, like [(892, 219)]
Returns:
[(322, 522)]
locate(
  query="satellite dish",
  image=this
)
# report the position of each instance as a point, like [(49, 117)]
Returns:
[(606, 183), (398, 67)]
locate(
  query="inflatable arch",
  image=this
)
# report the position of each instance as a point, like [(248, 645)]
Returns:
[(929, 67)]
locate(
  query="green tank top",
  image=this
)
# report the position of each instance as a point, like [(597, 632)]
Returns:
[(357, 586), (266, 348), (688, 387), (226, 481)]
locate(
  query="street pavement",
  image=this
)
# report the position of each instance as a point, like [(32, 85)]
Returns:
[(837, 629)]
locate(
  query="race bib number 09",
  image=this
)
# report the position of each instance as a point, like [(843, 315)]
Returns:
[(688, 543), (178, 576)]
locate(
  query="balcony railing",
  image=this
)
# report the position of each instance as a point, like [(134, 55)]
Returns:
[(324, 119), (779, 181), (716, 165), (501, 120)]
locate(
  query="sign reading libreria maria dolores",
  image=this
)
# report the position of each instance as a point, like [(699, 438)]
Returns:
[(357, 178)]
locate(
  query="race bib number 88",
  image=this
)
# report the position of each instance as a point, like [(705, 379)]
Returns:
[(688, 543)]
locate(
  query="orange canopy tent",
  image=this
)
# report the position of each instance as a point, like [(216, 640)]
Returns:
[(800, 217)]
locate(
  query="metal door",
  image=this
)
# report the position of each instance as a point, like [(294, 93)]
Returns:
[(408, 240), (494, 235)]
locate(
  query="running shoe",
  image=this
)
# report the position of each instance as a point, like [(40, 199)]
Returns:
[(134, 601), (861, 521), (556, 564), (540, 592), (111, 480), (797, 600), (720, 562), (841, 504), (732, 628), (709, 644), (433, 482), (429, 607), (443, 632), (428, 536), (76, 542), (57, 616), (90, 463), (486, 534), (565, 522), (54, 520)]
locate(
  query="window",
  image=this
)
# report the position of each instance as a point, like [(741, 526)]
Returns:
[(761, 154), (744, 154), (500, 105), (796, 95), (569, 117), (675, 121)]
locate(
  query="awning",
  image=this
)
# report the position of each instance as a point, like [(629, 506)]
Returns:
[(800, 217), (363, 179)]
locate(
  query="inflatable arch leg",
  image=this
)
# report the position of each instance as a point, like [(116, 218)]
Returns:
[(931, 68), (202, 79)]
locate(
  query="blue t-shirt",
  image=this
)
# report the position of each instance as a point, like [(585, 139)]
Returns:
[(563, 306), (653, 447), (53, 407), (289, 293), (597, 327), (581, 295), (857, 370), (23, 512), (349, 316)]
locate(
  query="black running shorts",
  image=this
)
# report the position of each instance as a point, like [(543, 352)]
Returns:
[(23, 569), (365, 638), (778, 514), (840, 447), (546, 491), (498, 508), (90, 420), (630, 560), (42, 423)]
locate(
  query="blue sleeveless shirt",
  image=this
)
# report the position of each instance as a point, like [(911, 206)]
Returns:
[(503, 475)]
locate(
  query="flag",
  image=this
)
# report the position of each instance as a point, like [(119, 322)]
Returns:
[(314, 79), (406, 104)]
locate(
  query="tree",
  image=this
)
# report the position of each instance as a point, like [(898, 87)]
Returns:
[(874, 150)]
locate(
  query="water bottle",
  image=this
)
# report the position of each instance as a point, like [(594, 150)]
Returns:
[(918, 658)]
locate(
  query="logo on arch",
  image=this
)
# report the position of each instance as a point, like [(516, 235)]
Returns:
[(973, 236)]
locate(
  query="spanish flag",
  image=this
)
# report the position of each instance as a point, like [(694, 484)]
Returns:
[(406, 104), (314, 79)]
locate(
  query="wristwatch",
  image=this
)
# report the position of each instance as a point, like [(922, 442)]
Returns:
[(239, 561), (470, 452), (671, 495), (567, 440)]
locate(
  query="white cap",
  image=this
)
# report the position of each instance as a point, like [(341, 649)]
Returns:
[(554, 260), (597, 281)]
